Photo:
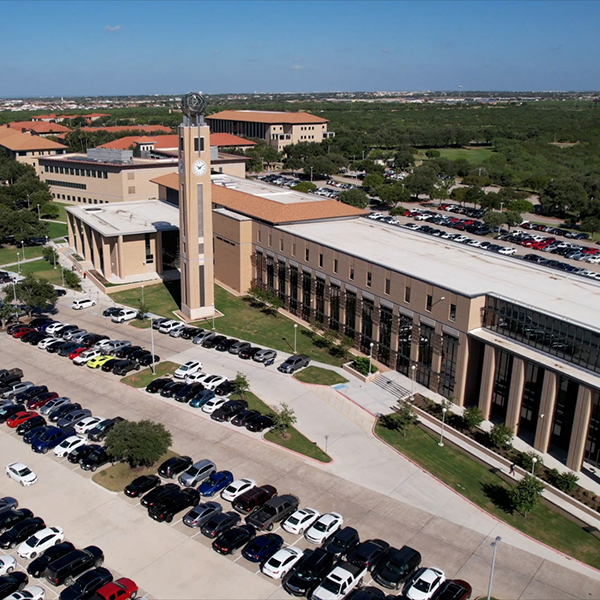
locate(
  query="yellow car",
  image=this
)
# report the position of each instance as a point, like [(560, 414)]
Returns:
[(96, 363)]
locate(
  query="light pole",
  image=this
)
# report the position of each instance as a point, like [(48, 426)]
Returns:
[(18, 263), (14, 290), (213, 316), (444, 411), (311, 173), (501, 206), (533, 463), (62, 274), (142, 295), (152, 343), (412, 382), (55, 253), (326, 441), (494, 545), (370, 356), (295, 335), (23, 248)]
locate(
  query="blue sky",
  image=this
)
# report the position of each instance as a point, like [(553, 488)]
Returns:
[(163, 47)]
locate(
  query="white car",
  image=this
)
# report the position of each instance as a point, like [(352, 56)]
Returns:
[(189, 368), (324, 527), (82, 303), (87, 355), (198, 377), (40, 541), (461, 239), (7, 564), (125, 314), (46, 342), (594, 259), (67, 446), (301, 520), (507, 251), (87, 424), (21, 473), (167, 326), (212, 382), (33, 592), (281, 562), (54, 327), (212, 405), (237, 488), (425, 584)]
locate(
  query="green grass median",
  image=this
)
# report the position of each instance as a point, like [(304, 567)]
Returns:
[(319, 376), (140, 379), (486, 489)]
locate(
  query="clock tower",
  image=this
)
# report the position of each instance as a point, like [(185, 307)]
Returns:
[(195, 211)]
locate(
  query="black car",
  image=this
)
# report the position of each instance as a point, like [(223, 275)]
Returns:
[(224, 345), (343, 541), (368, 553), (20, 532), (9, 584), (137, 354), (126, 351), (96, 458), (87, 585), (67, 567), (60, 411), (174, 465), (173, 504), (158, 493), (98, 433), (109, 365), (233, 539), (367, 593), (157, 385), (81, 452), (225, 388), (214, 341), (10, 517), (171, 388), (66, 349), (39, 321), (37, 421), (6, 412), (249, 352), (146, 360), (396, 567), (220, 523), (37, 567), (125, 366), (34, 337), (308, 572), (244, 417), (189, 332), (31, 392), (229, 410), (260, 423), (33, 433), (141, 485), (111, 311), (187, 392)]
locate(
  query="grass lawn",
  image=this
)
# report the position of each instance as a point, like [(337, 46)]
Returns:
[(489, 491), (240, 320), (56, 230), (42, 268), (141, 379), (118, 476), (8, 255), (319, 376), (473, 155), (62, 213), (297, 442)]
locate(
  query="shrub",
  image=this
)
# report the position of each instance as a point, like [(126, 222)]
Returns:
[(361, 364), (472, 417), (526, 494), (284, 418), (402, 420), (501, 436), (525, 460), (566, 482), (72, 280)]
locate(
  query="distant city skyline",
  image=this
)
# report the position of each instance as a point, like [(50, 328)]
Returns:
[(121, 48)]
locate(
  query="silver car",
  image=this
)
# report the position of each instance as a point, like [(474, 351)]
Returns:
[(197, 473), (203, 335), (72, 417), (47, 408), (202, 513), (264, 355), (71, 335), (17, 388)]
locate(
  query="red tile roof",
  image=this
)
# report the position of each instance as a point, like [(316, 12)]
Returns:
[(226, 139), (269, 117), (26, 141), (161, 142), (39, 127), (118, 129)]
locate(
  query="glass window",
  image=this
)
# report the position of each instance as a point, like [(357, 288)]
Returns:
[(452, 314), (306, 254), (293, 290), (320, 259), (405, 327), (448, 367), (388, 285), (385, 334), (334, 308), (407, 294), (502, 375), (369, 278), (429, 303), (592, 445), (532, 395), (335, 265), (320, 301), (350, 314), (564, 413)]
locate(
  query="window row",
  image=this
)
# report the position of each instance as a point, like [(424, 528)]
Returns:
[(75, 171)]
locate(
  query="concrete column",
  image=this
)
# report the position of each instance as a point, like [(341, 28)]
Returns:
[(96, 247), (581, 423), (547, 405), (462, 361), (72, 237), (106, 258), (158, 253), (436, 359), (87, 254), (487, 381), (119, 264), (515, 394)]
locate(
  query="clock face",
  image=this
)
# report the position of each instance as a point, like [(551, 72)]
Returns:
[(199, 168), (182, 166)]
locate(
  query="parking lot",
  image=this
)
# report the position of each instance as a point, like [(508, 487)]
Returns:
[(174, 561)]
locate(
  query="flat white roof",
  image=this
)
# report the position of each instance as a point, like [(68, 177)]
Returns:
[(128, 218), (465, 270), (265, 190)]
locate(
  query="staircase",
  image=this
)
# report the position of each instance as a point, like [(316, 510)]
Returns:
[(391, 386)]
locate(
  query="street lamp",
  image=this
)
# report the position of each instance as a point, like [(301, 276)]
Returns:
[(18, 263), (142, 295), (55, 253), (62, 273), (152, 343), (311, 173), (213, 315), (14, 290), (326, 441), (412, 382), (295, 335), (370, 356), (444, 411), (533, 463), (494, 545), (23, 248)]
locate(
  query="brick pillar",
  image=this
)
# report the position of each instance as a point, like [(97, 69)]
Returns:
[(547, 405), (462, 361), (487, 380), (581, 423), (515, 394)]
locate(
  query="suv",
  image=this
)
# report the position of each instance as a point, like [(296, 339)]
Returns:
[(178, 501), (273, 511), (397, 567), (197, 473), (125, 314), (309, 572), (293, 363), (254, 498), (65, 569)]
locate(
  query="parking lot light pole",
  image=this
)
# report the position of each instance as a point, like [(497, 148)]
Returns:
[(412, 382), (142, 295), (23, 248), (18, 263), (55, 253), (326, 442), (444, 411), (14, 290), (494, 545), (533, 462), (213, 316), (295, 335), (152, 343)]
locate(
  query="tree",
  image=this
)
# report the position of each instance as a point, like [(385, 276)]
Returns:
[(472, 417), (392, 193), (304, 186), (8, 312), (284, 418), (354, 197), (268, 301), (421, 181), (372, 181), (562, 195), (521, 206), (591, 224), (501, 436), (432, 153), (527, 462), (241, 384), (402, 420), (319, 167), (139, 443), (512, 218), (35, 293), (494, 219), (72, 279), (403, 159), (526, 494), (49, 210)]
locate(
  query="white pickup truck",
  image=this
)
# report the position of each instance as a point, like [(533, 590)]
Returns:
[(340, 582)]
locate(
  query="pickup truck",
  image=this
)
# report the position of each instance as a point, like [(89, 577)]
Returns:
[(273, 511), (340, 582), (5, 373)]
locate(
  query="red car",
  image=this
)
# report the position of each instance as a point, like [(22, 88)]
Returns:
[(20, 417), (21, 332), (121, 589), (41, 400), (77, 352)]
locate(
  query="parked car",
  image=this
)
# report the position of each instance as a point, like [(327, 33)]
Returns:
[(121, 589), (60, 411), (8, 502), (9, 584), (216, 482), (87, 584), (237, 488), (124, 314), (454, 589), (98, 457), (265, 355), (82, 303), (123, 367), (272, 512), (41, 400), (197, 473), (174, 465), (248, 352), (368, 553), (190, 367), (60, 401), (262, 547), (40, 541), (101, 430), (141, 485), (73, 416), (219, 523), (33, 423), (213, 404), (212, 341), (88, 423), (233, 539), (20, 532), (21, 473), (173, 504), (300, 520), (396, 567), (308, 573), (158, 493), (244, 417), (294, 363), (280, 563), (424, 584), (64, 569), (253, 499), (157, 385), (79, 453), (20, 417), (343, 541), (110, 311), (67, 446), (168, 325), (260, 423), (225, 388), (324, 527), (8, 410), (171, 388), (201, 398), (201, 513), (12, 516), (37, 567)]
